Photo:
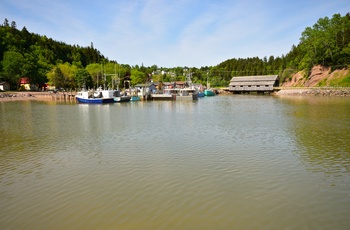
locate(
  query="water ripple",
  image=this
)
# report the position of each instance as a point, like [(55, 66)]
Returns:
[(218, 163)]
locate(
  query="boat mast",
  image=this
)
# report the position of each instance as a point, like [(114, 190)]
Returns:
[(113, 77), (207, 80), (189, 81), (104, 74)]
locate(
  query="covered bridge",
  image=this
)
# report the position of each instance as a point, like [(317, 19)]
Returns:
[(253, 83)]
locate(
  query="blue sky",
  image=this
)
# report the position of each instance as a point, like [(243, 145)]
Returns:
[(170, 33)]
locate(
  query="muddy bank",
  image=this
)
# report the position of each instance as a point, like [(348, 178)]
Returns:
[(315, 92), (22, 96), (16, 96)]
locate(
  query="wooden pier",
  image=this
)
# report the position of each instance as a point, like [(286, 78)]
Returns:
[(64, 96)]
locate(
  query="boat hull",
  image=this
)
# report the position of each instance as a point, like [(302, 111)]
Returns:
[(201, 94), (122, 99), (94, 100), (135, 98), (163, 97), (209, 93)]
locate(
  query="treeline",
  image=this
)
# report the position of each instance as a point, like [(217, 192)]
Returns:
[(25, 54), (44, 60)]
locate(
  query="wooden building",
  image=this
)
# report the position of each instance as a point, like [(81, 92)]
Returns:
[(253, 84)]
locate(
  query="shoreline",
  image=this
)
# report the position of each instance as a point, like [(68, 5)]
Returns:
[(343, 92), (32, 95)]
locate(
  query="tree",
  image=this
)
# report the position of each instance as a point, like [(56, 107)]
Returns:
[(83, 79), (12, 66), (63, 76), (137, 77), (13, 25), (6, 23), (95, 71), (68, 72), (324, 43), (55, 77)]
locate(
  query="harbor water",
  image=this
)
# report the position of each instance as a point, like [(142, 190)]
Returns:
[(223, 162)]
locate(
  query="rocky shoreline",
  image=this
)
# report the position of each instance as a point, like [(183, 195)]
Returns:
[(22, 96), (13, 95), (315, 92)]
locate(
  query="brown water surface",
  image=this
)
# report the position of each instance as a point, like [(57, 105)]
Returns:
[(224, 162)]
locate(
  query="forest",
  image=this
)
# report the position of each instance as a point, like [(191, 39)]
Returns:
[(46, 61)]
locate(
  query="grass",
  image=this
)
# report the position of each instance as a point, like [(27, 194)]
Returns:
[(336, 81)]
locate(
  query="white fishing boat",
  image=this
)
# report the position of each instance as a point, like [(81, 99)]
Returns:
[(95, 97)]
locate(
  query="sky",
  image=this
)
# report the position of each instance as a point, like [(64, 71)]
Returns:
[(171, 33)]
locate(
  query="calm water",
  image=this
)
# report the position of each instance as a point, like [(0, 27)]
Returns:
[(225, 162)]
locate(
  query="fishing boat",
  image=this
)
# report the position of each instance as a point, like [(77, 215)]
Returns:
[(133, 94), (201, 94), (118, 97), (135, 98), (94, 97), (209, 92), (122, 99), (163, 95), (188, 93)]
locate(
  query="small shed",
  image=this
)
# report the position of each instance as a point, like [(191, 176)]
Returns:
[(24, 83), (253, 83), (4, 86), (147, 88)]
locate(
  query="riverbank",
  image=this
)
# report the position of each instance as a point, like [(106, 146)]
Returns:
[(23, 96), (17, 96), (315, 91)]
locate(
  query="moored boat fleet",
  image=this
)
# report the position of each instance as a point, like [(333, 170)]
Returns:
[(180, 91), (100, 96), (147, 92)]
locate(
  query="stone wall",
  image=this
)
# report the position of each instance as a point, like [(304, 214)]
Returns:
[(315, 91)]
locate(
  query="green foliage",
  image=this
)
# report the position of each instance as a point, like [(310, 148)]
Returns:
[(340, 82), (57, 78), (34, 56), (327, 42), (83, 79), (336, 81), (322, 83), (345, 82), (137, 77), (95, 71), (157, 78), (12, 65), (68, 71), (63, 75)]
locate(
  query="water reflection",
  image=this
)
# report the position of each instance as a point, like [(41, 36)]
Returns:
[(321, 127)]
